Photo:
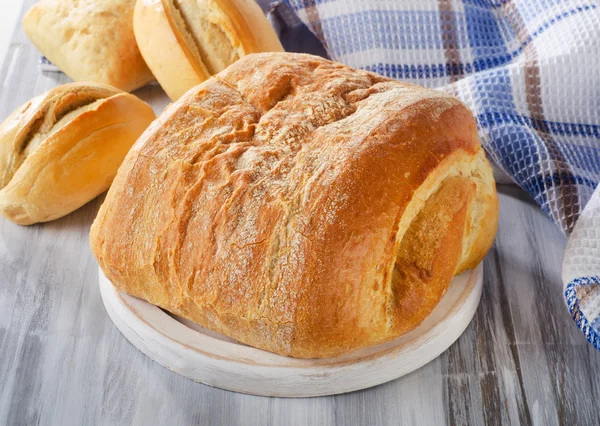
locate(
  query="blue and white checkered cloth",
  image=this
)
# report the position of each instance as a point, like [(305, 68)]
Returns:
[(530, 72)]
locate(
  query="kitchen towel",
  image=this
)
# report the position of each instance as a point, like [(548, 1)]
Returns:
[(530, 72)]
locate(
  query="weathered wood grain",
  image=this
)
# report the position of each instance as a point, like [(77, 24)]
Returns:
[(521, 361)]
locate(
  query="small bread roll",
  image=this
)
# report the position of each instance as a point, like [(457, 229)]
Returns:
[(89, 40), (184, 42), (63, 148)]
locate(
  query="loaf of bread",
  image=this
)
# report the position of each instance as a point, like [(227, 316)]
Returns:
[(90, 41), (185, 42), (300, 206), (63, 148)]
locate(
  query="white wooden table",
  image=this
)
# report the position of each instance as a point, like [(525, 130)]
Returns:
[(8, 18), (521, 361)]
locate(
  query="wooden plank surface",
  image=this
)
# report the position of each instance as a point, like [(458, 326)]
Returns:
[(521, 361)]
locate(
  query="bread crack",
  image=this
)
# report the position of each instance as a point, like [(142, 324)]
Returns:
[(42, 117)]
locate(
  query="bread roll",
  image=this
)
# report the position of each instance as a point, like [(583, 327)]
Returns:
[(184, 42), (89, 40), (300, 206), (63, 148)]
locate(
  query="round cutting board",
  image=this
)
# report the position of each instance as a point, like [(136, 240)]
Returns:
[(213, 359)]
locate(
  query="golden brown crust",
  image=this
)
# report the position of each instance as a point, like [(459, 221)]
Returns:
[(38, 116), (185, 42), (273, 202), (254, 31), (63, 148), (90, 41)]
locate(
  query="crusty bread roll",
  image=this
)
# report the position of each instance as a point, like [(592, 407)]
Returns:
[(184, 42), (89, 40), (63, 148), (300, 206)]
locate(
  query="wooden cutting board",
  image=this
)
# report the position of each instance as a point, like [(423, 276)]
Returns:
[(213, 359)]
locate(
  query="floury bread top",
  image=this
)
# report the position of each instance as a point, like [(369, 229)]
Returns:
[(90, 41), (300, 206)]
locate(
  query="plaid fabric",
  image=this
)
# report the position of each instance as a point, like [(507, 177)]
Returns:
[(47, 66), (529, 71)]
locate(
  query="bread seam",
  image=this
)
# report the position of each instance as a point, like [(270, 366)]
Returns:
[(62, 120), (82, 140), (454, 168), (193, 47), (192, 53), (32, 129)]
